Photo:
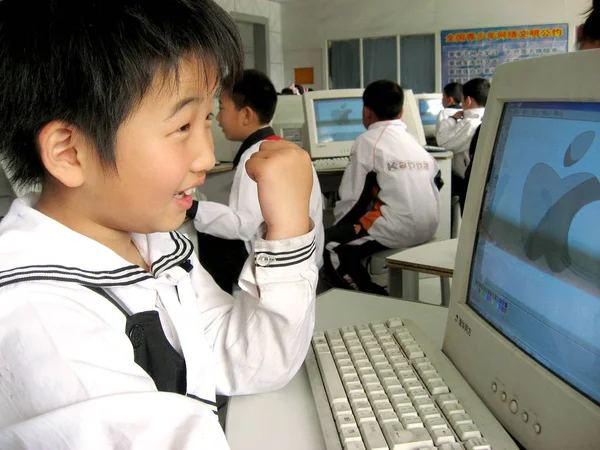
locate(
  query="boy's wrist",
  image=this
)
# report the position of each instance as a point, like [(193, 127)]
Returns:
[(287, 231)]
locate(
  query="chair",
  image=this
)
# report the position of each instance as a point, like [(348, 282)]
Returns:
[(376, 265)]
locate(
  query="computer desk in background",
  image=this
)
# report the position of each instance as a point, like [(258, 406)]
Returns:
[(287, 418), (330, 181)]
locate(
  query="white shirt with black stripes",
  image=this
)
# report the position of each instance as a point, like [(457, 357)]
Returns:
[(67, 373)]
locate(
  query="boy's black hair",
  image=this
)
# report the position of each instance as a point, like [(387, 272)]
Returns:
[(89, 63), (255, 91), (385, 98), (591, 28), (287, 91), (478, 89), (454, 90)]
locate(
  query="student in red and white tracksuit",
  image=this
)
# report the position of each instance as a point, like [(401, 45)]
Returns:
[(388, 194)]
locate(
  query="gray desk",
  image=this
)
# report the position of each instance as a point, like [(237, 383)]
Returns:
[(436, 258), (287, 418)]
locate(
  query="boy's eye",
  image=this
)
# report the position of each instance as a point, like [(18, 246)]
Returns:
[(210, 116), (186, 127)]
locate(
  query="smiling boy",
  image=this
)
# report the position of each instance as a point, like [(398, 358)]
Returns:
[(111, 333)]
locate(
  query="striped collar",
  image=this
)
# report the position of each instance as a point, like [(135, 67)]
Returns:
[(34, 247)]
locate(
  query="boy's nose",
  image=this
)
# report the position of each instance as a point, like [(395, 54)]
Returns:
[(205, 155)]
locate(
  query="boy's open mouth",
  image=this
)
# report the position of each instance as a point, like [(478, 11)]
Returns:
[(182, 194)]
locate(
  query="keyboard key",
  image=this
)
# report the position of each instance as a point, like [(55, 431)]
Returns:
[(418, 394), (468, 431), (406, 411), (429, 413), (394, 322), (350, 434), (372, 436), (453, 446), (361, 405), (400, 401), (452, 408), (437, 386), (442, 436), (331, 379), (445, 399), (478, 444), (414, 351), (354, 445), (365, 415), (459, 419), (434, 424), (411, 422), (341, 408), (400, 439), (345, 421), (386, 417)]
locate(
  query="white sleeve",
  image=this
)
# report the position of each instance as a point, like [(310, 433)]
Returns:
[(453, 133), (260, 339), (353, 180), (61, 392), (232, 222)]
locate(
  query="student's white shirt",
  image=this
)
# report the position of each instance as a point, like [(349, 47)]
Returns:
[(242, 217), (443, 115), (408, 197), (456, 135), (67, 373)]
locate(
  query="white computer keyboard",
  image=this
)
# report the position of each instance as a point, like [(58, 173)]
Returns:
[(383, 386), (338, 163)]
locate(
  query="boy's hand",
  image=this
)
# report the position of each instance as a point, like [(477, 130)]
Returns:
[(459, 115), (283, 173)]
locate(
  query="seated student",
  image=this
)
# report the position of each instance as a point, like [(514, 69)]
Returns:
[(388, 194), (112, 333), (451, 98), (226, 232), (456, 132)]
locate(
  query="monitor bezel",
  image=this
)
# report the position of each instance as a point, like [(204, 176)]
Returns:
[(564, 417)]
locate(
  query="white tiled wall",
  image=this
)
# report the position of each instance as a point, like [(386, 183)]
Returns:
[(272, 11), (308, 24)]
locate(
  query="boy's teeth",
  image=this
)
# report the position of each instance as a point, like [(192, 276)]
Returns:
[(190, 191), (180, 195)]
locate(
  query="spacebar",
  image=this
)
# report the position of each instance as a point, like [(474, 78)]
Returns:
[(331, 378)]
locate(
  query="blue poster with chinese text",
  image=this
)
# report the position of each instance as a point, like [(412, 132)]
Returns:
[(473, 53)]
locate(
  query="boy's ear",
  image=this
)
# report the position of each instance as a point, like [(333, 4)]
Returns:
[(249, 115), (63, 152), (401, 114)]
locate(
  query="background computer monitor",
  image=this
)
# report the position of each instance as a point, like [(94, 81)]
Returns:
[(430, 106), (524, 319), (411, 116), (289, 120), (334, 121)]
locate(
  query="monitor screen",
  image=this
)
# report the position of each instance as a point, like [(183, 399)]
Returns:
[(338, 119), (535, 273), (429, 108)]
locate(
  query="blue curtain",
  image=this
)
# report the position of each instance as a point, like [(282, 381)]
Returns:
[(344, 64), (417, 63), (380, 60)]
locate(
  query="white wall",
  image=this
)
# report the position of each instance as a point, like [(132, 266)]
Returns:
[(308, 24), (272, 11)]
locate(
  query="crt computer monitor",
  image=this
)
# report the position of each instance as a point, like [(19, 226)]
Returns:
[(289, 120), (334, 120), (524, 318), (430, 105)]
